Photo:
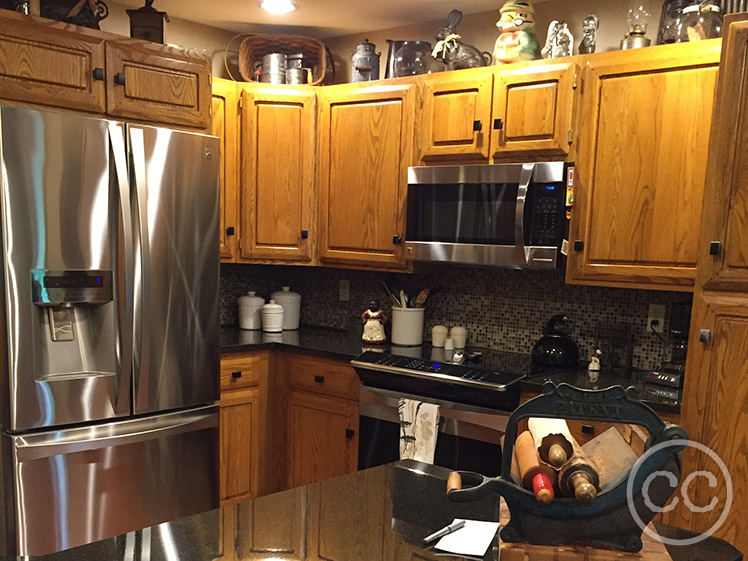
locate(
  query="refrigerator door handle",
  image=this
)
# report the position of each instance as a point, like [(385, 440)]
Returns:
[(142, 295), (119, 152), (44, 445)]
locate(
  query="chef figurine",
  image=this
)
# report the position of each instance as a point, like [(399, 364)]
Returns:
[(593, 370), (517, 41), (373, 320)]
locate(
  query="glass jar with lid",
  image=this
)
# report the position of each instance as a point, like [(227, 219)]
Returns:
[(701, 22), (414, 57)]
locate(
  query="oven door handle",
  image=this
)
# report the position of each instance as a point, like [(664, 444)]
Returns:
[(525, 177), (391, 398)]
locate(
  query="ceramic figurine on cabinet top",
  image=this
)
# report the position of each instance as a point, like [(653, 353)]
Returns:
[(559, 42), (588, 44), (373, 320), (517, 41), (452, 52)]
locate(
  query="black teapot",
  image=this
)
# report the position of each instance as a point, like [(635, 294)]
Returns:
[(556, 348)]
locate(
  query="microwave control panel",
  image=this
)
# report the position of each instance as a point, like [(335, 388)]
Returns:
[(548, 210)]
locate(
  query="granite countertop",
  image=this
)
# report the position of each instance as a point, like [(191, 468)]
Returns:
[(336, 343), (379, 514)]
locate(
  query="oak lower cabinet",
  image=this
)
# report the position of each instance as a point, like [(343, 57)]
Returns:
[(715, 412), (456, 115), (322, 418), (52, 65), (641, 166), (157, 83), (366, 143), (243, 422), (278, 157), (225, 127)]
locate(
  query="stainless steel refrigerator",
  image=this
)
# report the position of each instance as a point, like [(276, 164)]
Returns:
[(109, 329)]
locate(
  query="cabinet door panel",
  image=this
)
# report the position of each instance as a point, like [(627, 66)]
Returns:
[(366, 146), (239, 450), (725, 216), (452, 106), (641, 168), (319, 446), (224, 126), (157, 83), (50, 66), (535, 105), (277, 172), (715, 412)]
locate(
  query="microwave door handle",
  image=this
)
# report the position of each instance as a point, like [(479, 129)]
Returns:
[(525, 177)]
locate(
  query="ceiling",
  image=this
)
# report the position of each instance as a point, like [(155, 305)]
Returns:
[(318, 18)]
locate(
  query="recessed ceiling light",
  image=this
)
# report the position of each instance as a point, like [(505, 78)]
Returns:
[(278, 7)]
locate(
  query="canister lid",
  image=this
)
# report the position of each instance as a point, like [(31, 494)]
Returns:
[(250, 299), (285, 294), (272, 308)]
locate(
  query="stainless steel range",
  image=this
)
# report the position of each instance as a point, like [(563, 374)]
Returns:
[(475, 399)]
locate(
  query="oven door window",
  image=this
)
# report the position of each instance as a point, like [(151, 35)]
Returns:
[(470, 213)]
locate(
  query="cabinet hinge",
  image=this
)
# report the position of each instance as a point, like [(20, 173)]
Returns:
[(241, 102), (421, 100), (574, 83), (210, 111), (571, 136)]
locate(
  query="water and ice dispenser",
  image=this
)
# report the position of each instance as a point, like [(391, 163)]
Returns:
[(75, 331)]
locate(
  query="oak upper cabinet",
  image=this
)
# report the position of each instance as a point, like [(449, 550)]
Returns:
[(224, 126), (157, 83), (277, 173), (714, 411), (456, 114), (641, 166), (244, 379), (366, 143), (51, 65), (533, 110), (723, 249)]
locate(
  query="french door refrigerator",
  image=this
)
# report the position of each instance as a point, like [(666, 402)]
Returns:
[(110, 327)]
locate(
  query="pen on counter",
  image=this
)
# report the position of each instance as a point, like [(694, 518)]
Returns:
[(444, 531)]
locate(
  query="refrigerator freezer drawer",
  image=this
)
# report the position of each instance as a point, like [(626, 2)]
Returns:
[(84, 484)]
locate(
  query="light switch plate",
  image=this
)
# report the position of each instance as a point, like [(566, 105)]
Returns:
[(344, 292)]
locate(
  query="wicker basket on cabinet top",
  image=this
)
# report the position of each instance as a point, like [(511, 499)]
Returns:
[(254, 47)]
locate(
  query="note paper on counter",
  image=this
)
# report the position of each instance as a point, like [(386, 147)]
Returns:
[(473, 538)]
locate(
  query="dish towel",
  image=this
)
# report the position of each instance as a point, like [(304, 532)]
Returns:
[(419, 423)]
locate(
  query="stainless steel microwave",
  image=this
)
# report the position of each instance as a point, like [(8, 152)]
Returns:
[(502, 215)]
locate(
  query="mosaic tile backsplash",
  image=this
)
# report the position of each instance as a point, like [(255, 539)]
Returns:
[(501, 308)]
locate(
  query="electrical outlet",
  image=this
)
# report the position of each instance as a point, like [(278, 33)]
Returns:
[(656, 314), (344, 292)]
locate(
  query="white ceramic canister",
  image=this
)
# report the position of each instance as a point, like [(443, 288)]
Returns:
[(407, 326), (272, 317), (291, 302), (249, 311), (438, 334), (459, 335)]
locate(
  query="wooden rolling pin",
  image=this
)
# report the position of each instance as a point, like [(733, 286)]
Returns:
[(553, 440), (536, 476)]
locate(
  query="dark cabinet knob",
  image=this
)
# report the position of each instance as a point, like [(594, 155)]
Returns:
[(397, 240), (578, 245), (477, 126), (588, 429), (236, 374), (498, 124), (230, 231), (319, 379), (119, 78), (98, 73), (304, 234), (715, 248), (705, 335), (349, 433)]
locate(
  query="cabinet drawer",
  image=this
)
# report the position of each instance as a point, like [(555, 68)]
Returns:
[(241, 371), (322, 376), (50, 66), (157, 83)]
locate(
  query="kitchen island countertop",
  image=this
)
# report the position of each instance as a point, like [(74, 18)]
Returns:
[(380, 514)]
